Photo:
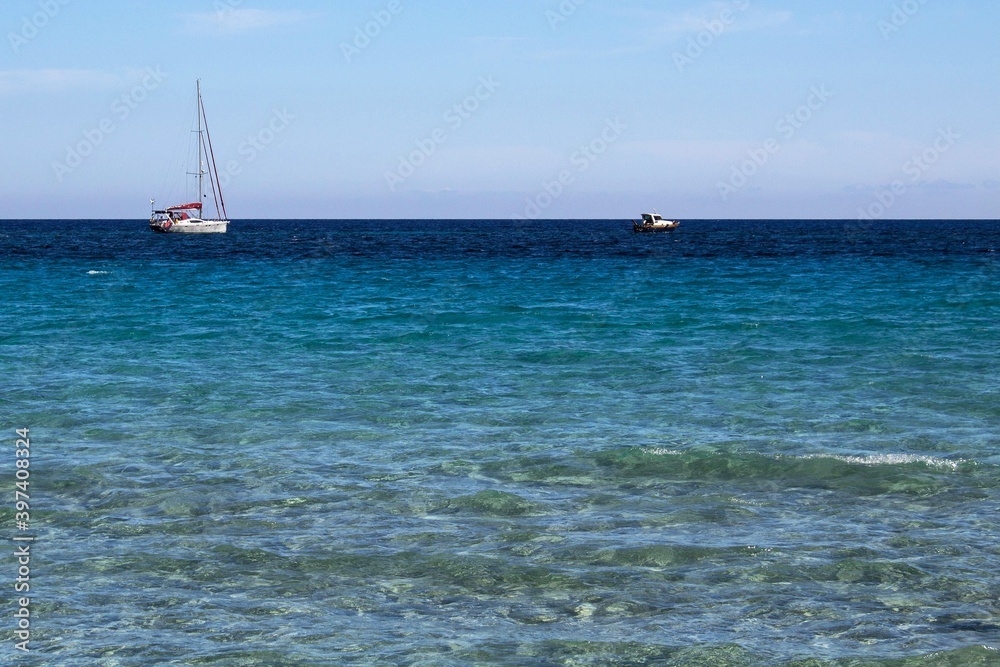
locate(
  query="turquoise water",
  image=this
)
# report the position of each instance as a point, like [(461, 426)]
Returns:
[(494, 443)]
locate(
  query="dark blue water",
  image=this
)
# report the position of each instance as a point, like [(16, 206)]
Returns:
[(498, 443)]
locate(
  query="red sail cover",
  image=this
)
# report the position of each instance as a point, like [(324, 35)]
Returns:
[(186, 207)]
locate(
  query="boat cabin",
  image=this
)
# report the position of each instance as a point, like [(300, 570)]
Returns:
[(178, 213)]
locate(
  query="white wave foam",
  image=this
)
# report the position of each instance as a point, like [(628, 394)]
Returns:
[(660, 451), (870, 460), (893, 459)]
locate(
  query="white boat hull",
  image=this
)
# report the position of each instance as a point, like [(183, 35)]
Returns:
[(190, 226), (654, 222), (656, 226)]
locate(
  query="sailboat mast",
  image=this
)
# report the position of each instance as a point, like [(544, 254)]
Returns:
[(201, 165), (213, 169)]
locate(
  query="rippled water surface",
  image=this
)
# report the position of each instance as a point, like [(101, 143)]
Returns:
[(495, 443)]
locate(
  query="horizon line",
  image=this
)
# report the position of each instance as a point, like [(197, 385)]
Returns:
[(750, 219)]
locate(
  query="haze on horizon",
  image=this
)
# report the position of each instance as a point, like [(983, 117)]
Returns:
[(527, 108)]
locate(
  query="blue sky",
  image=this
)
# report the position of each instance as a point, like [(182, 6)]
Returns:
[(530, 108)]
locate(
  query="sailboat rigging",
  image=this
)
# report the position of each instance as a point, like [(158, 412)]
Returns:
[(188, 218)]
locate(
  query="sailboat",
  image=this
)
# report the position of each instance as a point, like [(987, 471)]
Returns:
[(188, 218)]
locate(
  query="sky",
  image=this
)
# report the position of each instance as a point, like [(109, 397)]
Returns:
[(549, 109)]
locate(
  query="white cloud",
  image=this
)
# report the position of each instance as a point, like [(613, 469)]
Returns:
[(234, 20)]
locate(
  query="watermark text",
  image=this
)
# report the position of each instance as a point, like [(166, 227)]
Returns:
[(32, 25), (914, 169), (455, 117), (365, 35), (787, 127), (581, 160), (902, 13), (713, 29), (121, 109), (22, 541)]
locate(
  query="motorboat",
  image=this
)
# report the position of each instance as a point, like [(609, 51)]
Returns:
[(654, 222)]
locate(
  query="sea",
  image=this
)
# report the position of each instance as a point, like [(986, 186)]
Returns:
[(519, 443)]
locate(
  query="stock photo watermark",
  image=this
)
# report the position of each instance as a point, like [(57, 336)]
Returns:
[(228, 7), (582, 160), (32, 25), (121, 109), (915, 169), (365, 35), (455, 117), (713, 29), (902, 13), (255, 144), (22, 540), (786, 127), (563, 12)]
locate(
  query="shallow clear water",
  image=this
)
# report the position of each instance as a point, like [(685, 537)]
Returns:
[(496, 443)]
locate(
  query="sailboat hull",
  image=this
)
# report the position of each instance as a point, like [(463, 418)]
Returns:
[(191, 226)]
